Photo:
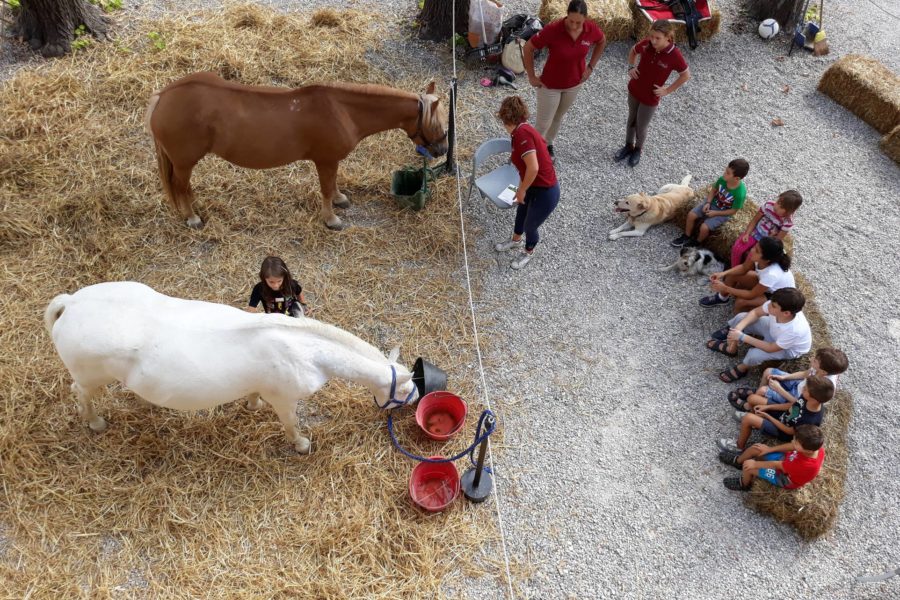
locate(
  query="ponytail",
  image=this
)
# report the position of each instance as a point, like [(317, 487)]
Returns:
[(772, 250)]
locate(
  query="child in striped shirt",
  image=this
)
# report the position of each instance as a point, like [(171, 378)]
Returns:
[(774, 219)]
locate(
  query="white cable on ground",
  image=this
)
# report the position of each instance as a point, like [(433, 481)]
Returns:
[(484, 387)]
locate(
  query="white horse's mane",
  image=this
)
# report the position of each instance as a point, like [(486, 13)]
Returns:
[(329, 332)]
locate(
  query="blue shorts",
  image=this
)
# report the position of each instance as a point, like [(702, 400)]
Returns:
[(773, 476), (712, 223), (790, 386), (769, 428)]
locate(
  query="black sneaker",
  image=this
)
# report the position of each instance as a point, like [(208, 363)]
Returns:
[(691, 243), (735, 483), (623, 153), (730, 459), (634, 158), (550, 150), (713, 300), (680, 240)]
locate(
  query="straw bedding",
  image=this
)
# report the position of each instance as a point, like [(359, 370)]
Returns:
[(216, 504), (612, 16), (866, 88), (890, 144), (813, 509), (707, 29)]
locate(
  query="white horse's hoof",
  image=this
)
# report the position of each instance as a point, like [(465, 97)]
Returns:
[(98, 425), (335, 223), (195, 222), (302, 446)]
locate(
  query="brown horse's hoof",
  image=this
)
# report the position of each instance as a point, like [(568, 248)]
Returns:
[(335, 225), (195, 222), (342, 201)]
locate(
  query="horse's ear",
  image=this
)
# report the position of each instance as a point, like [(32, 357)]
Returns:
[(429, 89), (394, 354), (434, 107)]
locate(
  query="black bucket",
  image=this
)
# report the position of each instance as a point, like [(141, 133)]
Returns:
[(428, 378)]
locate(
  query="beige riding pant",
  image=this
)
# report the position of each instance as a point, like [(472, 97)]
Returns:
[(551, 106)]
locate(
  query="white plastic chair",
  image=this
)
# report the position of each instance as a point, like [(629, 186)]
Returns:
[(493, 182)]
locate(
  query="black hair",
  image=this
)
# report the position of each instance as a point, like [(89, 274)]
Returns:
[(810, 437), (740, 167), (772, 250), (832, 360), (820, 387), (273, 266), (789, 299), (577, 6)]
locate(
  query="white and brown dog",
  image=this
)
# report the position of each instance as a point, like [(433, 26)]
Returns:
[(644, 211), (695, 261)]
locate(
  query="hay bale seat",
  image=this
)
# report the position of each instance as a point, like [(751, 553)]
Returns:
[(813, 509), (612, 16), (866, 88), (890, 144), (708, 28)]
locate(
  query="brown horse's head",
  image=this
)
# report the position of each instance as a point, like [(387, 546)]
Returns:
[(431, 130)]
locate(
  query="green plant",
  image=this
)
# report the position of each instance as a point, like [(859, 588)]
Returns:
[(82, 39), (421, 4), (14, 4), (157, 40), (108, 5)]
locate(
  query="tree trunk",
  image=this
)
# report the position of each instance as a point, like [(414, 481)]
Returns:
[(434, 20), (49, 25), (780, 10)]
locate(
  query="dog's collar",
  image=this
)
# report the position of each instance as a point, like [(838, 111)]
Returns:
[(640, 215)]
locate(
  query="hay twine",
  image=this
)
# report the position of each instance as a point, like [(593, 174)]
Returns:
[(215, 504)]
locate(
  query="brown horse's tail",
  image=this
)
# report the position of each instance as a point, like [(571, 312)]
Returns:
[(162, 159)]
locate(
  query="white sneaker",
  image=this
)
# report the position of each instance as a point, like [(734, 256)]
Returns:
[(729, 445), (523, 259), (739, 415), (509, 245)]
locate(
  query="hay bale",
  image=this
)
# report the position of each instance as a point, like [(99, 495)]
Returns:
[(890, 144), (708, 28), (866, 88), (612, 16), (813, 509)]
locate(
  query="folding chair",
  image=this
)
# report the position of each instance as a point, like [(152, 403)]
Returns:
[(493, 182)]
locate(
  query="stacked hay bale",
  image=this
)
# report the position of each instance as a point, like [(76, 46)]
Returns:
[(612, 16), (813, 509), (869, 90), (708, 28)]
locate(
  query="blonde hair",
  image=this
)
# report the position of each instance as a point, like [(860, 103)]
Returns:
[(665, 28)]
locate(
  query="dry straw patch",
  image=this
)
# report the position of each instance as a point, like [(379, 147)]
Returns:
[(866, 88), (216, 504), (890, 144), (813, 509), (612, 16)]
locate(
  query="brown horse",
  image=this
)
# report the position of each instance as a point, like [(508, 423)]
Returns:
[(264, 127)]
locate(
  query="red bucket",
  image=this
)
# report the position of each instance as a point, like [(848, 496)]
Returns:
[(441, 415), (434, 486)]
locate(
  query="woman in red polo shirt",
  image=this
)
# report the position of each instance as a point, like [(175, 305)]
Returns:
[(658, 58), (568, 41), (538, 191)]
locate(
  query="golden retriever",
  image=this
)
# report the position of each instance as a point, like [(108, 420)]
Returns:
[(643, 211)]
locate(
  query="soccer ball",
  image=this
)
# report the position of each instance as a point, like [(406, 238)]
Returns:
[(768, 29)]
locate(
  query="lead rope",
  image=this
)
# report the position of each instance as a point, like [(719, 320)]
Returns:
[(484, 387)]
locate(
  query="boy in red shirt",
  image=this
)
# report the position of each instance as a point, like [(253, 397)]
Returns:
[(790, 466), (647, 84)]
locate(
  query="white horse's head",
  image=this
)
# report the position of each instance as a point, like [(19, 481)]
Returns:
[(399, 389)]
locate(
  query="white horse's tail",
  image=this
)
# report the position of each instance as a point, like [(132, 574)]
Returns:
[(55, 310), (686, 180), (154, 99)]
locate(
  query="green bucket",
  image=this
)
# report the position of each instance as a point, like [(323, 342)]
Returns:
[(409, 186)]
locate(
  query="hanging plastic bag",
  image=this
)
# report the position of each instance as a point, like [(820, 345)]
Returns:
[(485, 22)]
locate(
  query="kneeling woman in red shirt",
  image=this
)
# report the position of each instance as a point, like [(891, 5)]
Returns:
[(538, 191), (647, 84)]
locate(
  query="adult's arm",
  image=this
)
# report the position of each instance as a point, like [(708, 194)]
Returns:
[(528, 61), (531, 171)]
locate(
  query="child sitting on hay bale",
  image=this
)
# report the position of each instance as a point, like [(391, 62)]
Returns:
[(790, 466), (777, 330), (277, 290), (766, 270), (777, 387), (723, 200), (781, 420), (773, 219)]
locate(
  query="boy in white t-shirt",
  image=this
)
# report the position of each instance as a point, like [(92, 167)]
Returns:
[(777, 386), (776, 330)]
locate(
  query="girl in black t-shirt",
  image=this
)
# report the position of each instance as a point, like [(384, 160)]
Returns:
[(277, 290)]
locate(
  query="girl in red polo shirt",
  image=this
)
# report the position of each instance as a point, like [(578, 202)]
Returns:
[(658, 58), (538, 191), (568, 41)]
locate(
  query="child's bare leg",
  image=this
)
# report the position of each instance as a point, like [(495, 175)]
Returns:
[(748, 424), (704, 233), (689, 224), (748, 475), (751, 452), (748, 304), (756, 400)]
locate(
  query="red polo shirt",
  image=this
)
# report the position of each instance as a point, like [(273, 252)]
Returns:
[(801, 468), (526, 139), (566, 62), (653, 70)]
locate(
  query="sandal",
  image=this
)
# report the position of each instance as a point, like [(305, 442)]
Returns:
[(735, 483), (738, 401), (721, 347), (732, 375), (721, 334)]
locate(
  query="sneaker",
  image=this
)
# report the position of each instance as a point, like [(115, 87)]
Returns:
[(739, 415), (735, 483), (634, 158), (727, 445), (680, 240), (523, 259), (623, 153), (714, 300), (509, 245), (730, 459), (691, 243), (550, 150)]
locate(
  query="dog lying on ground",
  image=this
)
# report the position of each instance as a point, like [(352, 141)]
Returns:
[(695, 261), (643, 211)]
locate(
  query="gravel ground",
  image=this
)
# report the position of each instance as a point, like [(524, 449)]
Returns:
[(609, 485)]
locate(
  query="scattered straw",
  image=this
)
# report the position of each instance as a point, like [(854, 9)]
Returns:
[(813, 509), (612, 16), (866, 88), (165, 504), (890, 144), (707, 29)]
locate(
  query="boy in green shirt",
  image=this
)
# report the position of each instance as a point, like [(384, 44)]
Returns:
[(723, 200)]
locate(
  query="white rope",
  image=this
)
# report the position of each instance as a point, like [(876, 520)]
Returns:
[(484, 387)]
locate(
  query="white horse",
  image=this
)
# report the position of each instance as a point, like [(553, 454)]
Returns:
[(191, 355)]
